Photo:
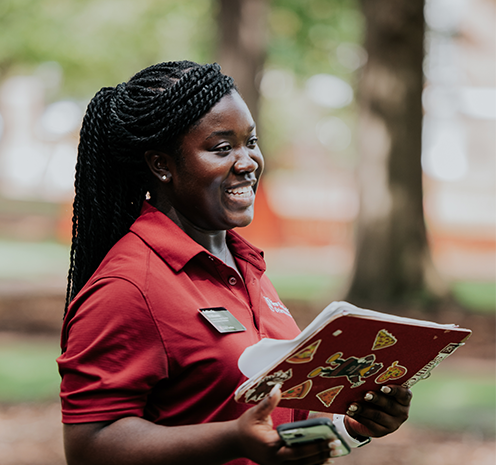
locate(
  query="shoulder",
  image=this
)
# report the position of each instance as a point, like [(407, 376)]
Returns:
[(109, 304), (128, 257)]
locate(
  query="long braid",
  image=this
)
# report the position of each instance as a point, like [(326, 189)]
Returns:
[(151, 111)]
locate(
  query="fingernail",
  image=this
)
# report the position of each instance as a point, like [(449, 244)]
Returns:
[(353, 408), (335, 443), (369, 396), (274, 389), (385, 389), (350, 413)]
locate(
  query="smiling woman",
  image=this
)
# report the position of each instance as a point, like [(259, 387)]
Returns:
[(212, 187), (163, 295)]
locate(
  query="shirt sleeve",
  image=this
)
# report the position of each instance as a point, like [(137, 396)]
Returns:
[(113, 354)]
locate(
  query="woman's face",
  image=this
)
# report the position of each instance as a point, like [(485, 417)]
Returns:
[(214, 185)]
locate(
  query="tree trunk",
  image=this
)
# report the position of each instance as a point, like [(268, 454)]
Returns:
[(393, 263), (242, 26)]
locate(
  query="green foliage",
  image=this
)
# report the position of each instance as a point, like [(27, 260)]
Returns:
[(305, 35), (102, 42)]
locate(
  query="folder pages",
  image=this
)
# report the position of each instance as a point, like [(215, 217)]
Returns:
[(345, 352)]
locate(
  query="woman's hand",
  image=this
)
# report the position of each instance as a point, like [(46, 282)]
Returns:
[(133, 440), (380, 413), (259, 441)]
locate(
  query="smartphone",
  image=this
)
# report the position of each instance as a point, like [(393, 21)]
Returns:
[(316, 429)]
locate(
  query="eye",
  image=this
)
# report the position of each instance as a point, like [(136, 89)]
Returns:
[(222, 148), (252, 143)]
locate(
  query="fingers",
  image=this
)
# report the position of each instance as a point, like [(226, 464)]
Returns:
[(391, 400), (381, 412), (308, 454), (266, 407), (400, 393)]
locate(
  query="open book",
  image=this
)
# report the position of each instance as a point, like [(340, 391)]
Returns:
[(345, 352)]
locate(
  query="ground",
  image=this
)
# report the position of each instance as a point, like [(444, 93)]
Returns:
[(32, 435)]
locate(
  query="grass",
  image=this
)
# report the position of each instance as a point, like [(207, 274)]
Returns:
[(480, 296), (28, 371), (306, 287), (451, 401), (32, 260), (25, 260), (447, 401), (475, 295)]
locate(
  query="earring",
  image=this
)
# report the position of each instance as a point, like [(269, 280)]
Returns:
[(164, 177)]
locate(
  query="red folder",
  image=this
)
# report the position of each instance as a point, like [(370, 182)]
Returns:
[(345, 352)]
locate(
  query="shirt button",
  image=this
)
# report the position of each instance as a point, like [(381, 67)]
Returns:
[(233, 281)]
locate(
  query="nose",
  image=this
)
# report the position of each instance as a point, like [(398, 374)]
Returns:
[(248, 161)]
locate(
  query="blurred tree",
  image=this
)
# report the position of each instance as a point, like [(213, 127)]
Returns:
[(101, 42), (242, 44), (305, 36), (393, 263)]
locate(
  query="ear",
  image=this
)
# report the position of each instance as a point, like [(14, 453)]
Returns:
[(160, 165)]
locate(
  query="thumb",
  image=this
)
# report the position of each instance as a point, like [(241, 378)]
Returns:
[(266, 407)]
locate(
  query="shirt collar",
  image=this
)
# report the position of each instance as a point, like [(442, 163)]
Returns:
[(171, 243)]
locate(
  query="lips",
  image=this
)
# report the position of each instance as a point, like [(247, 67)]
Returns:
[(240, 191)]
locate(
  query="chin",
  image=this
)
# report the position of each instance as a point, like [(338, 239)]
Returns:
[(241, 223)]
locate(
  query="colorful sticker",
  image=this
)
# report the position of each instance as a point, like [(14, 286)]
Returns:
[(353, 368), (327, 397), (264, 386), (384, 339), (395, 371), (298, 392), (305, 355), (334, 357)]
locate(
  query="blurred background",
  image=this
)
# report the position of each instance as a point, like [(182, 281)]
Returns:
[(377, 120)]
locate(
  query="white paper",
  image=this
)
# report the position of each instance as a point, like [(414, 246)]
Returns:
[(258, 357)]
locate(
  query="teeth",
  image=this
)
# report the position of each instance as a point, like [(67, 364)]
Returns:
[(239, 190)]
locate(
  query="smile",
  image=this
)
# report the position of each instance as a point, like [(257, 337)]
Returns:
[(241, 191)]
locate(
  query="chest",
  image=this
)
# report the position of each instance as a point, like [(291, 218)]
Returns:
[(191, 341)]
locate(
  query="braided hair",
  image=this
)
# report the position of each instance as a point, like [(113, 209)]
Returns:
[(152, 111)]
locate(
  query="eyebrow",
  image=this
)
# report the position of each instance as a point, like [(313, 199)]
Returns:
[(227, 133)]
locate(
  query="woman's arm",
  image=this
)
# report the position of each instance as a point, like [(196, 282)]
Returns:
[(132, 441)]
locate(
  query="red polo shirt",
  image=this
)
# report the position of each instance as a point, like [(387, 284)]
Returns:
[(135, 344)]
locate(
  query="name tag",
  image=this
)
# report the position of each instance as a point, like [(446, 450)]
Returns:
[(222, 320)]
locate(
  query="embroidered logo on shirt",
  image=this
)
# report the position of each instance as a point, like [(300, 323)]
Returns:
[(277, 307)]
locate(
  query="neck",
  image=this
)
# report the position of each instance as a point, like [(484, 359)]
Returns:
[(213, 241)]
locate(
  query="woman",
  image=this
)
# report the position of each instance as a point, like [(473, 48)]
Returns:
[(145, 377)]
